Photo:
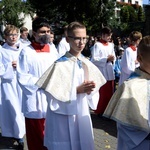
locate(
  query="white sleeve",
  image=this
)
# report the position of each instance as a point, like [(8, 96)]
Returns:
[(26, 79), (6, 69), (127, 64), (93, 100), (97, 56)]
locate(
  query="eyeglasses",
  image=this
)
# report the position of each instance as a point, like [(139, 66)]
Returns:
[(79, 39), (12, 35)]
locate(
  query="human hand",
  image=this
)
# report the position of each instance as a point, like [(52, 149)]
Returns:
[(14, 64), (110, 58), (86, 87), (136, 62)]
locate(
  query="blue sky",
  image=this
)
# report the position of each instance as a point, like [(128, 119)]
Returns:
[(146, 1)]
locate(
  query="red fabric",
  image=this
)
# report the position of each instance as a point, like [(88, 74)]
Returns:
[(40, 48), (35, 133), (106, 92), (133, 47), (105, 43)]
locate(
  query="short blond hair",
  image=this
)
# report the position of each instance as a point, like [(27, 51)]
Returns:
[(10, 28), (135, 35), (74, 25)]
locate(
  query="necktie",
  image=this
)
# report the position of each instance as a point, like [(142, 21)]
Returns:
[(79, 63)]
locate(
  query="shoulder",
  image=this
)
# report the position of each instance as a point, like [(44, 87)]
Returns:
[(28, 50), (98, 43), (62, 59), (128, 49)]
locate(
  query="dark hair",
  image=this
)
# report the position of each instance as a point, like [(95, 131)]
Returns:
[(106, 30), (39, 23)]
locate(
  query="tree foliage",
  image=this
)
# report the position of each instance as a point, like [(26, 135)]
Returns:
[(94, 13), (124, 14), (132, 18), (141, 14), (10, 12)]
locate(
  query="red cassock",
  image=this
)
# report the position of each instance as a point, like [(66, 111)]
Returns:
[(106, 92)]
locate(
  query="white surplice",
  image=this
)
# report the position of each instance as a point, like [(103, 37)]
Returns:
[(12, 119), (99, 58), (129, 106), (31, 66), (68, 124), (128, 64), (63, 47)]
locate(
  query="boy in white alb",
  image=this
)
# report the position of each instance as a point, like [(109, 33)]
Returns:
[(103, 56), (130, 104), (129, 59), (12, 119), (71, 84), (34, 60)]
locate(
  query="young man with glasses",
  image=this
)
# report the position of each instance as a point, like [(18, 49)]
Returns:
[(71, 85), (34, 60), (12, 119)]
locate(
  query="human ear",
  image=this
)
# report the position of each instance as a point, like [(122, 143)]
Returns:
[(139, 58), (34, 33), (67, 39)]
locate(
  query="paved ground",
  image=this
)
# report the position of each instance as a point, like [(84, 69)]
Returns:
[(104, 132)]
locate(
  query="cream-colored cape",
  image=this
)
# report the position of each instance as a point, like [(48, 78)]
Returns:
[(58, 79), (130, 103)]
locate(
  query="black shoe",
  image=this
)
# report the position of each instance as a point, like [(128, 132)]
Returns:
[(20, 146)]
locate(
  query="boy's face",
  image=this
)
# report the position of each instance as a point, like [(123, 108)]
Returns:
[(24, 35), (11, 38), (42, 35), (106, 37), (51, 38), (77, 40)]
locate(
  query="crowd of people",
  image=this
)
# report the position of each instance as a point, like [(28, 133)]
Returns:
[(47, 90)]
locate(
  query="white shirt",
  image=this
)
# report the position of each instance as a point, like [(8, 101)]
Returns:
[(99, 58)]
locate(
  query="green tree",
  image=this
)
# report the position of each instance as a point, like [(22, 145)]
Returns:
[(10, 12), (141, 14), (93, 13), (133, 16), (124, 14), (147, 20)]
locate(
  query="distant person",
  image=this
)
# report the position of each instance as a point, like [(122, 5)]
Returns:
[(129, 59), (51, 42), (63, 45), (33, 61), (117, 66), (103, 56), (71, 87), (88, 47), (12, 119), (24, 34), (129, 106)]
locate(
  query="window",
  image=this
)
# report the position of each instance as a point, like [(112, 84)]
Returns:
[(130, 1)]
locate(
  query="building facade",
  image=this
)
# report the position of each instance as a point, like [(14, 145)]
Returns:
[(138, 2)]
